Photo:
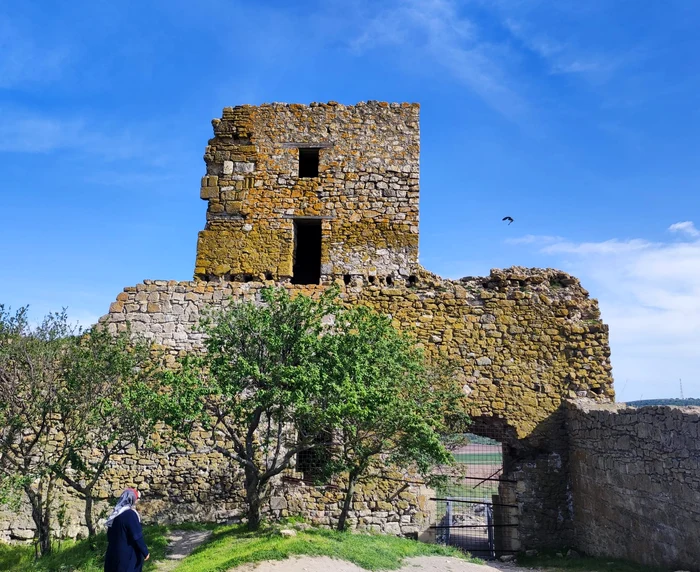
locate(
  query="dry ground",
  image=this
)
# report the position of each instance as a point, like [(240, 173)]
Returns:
[(419, 564), (180, 544)]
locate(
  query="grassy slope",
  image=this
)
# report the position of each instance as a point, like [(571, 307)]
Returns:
[(233, 545), (81, 555), (230, 546)]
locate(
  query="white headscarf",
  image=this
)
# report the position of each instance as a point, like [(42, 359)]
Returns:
[(125, 502)]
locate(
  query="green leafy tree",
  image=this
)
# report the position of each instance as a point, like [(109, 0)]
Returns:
[(258, 384), (31, 386), (68, 403), (388, 408), (108, 406)]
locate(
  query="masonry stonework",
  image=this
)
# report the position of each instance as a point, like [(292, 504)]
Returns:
[(525, 339), (308, 196), (184, 485), (364, 195), (635, 477)]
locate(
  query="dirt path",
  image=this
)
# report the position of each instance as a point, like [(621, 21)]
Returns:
[(419, 564), (180, 544)]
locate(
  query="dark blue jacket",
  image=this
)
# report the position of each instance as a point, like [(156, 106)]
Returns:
[(126, 548)]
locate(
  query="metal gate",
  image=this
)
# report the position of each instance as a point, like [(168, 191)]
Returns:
[(469, 515)]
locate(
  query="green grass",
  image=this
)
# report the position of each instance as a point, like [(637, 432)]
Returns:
[(83, 555), (584, 564), (479, 458), (231, 546), (467, 489)]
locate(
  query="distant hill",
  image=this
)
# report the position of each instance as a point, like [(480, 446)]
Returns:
[(645, 402)]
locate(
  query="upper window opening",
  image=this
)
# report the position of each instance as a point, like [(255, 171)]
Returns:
[(308, 162)]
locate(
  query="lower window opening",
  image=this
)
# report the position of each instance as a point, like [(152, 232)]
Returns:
[(307, 252), (312, 462)]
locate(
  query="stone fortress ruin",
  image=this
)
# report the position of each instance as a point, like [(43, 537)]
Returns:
[(309, 196)]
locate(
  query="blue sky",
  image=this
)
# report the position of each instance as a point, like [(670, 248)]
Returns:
[(581, 120)]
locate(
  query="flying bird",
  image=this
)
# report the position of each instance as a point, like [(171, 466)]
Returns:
[(509, 219)]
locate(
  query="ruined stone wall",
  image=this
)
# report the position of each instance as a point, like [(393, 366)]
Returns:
[(365, 195), (524, 339), (542, 492), (636, 482), (200, 485)]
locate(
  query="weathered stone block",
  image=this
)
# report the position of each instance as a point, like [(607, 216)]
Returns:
[(278, 503)]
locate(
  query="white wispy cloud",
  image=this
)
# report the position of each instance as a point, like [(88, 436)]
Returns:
[(23, 131), (686, 227), (535, 239), (459, 41), (649, 293), (563, 57), (135, 179), (611, 247), (435, 33)]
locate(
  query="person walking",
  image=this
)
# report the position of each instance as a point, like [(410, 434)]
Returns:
[(126, 548)]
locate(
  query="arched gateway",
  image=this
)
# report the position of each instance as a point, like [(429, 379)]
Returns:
[(307, 196)]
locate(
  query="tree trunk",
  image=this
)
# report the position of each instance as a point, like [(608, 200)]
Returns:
[(349, 493), (45, 535), (252, 494), (88, 514), (41, 518)]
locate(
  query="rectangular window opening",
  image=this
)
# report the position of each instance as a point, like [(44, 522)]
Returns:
[(312, 462), (307, 252), (308, 162)]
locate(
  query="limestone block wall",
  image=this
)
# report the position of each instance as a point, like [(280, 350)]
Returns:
[(365, 194), (524, 339), (543, 495), (180, 485), (636, 482)]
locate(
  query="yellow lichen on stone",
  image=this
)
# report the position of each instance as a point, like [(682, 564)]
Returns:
[(365, 190)]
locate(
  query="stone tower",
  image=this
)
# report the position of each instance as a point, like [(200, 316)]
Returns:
[(308, 194)]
